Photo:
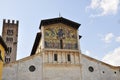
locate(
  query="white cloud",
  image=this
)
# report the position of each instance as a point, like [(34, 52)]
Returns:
[(104, 6), (94, 4), (87, 52), (118, 39), (113, 57), (108, 37)]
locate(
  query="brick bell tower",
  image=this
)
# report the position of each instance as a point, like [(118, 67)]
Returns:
[(10, 36)]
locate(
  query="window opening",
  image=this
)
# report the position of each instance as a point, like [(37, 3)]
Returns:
[(10, 39), (7, 59), (32, 68), (9, 50), (91, 69), (55, 57), (9, 32), (68, 57)]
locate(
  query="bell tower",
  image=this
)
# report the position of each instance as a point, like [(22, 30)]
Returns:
[(10, 36)]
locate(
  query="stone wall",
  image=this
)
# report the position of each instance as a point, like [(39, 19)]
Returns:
[(20, 70), (87, 68), (99, 70), (62, 72)]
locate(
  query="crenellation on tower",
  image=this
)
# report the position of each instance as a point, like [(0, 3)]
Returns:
[(13, 21), (4, 20), (8, 21), (17, 22)]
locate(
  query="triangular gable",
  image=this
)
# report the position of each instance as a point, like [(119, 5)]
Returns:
[(59, 20)]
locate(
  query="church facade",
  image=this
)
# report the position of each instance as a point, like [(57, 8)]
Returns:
[(56, 55)]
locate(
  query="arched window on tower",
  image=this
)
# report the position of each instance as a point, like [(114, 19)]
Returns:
[(7, 59), (9, 39), (9, 50), (9, 32)]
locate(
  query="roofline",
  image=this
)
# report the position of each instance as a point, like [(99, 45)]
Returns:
[(96, 60), (21, 60), (59, 20), (36, 43)]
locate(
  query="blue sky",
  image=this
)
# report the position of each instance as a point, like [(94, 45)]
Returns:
[(99, 19)]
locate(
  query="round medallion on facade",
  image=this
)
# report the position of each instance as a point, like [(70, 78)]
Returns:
[(103, 71), (91, 69), (32, 68)]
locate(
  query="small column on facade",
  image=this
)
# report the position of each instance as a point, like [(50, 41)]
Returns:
[(59, 57), (63, 57), (46, 57), (72, 58), (51, 57)]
